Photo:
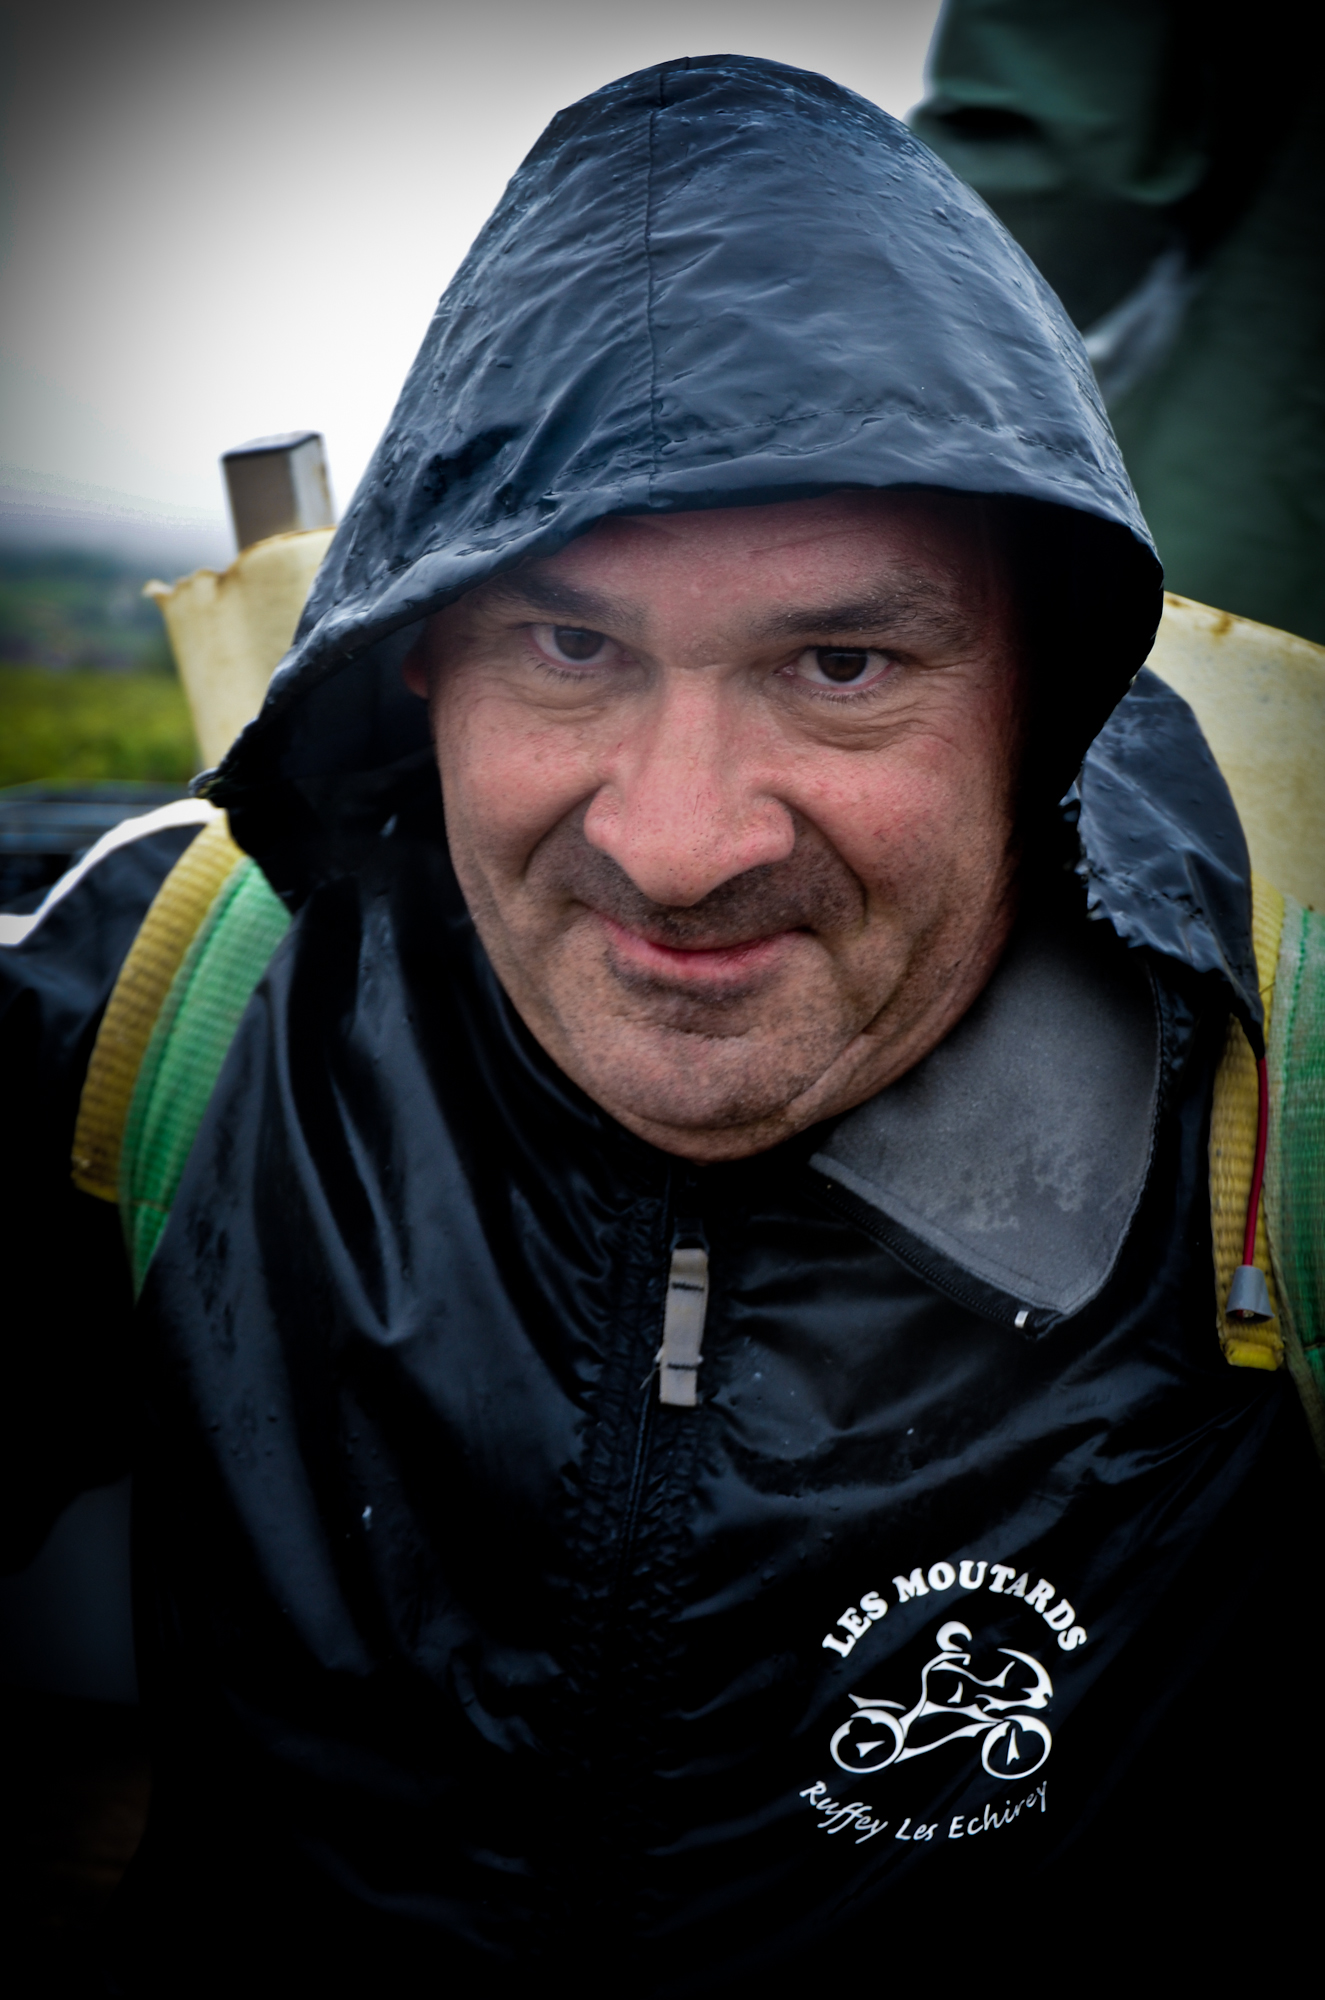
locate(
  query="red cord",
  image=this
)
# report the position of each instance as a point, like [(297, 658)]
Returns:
[(1258, 1166)]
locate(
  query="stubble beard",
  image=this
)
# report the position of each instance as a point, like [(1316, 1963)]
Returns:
[(672, 1064), (727, 1074)]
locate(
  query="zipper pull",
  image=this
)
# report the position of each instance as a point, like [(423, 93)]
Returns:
[(683, 1318)]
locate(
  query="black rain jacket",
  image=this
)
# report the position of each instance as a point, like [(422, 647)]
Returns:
[(960, 1593)]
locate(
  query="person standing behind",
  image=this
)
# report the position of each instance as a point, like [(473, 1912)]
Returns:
[(1165, 167)]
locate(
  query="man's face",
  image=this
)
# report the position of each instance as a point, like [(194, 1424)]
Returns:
[(730, 795)]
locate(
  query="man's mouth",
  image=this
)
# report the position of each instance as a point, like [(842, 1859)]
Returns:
[(720, 969)]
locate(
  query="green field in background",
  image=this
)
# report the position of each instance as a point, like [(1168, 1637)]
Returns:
[(78, 727), (73, 608)]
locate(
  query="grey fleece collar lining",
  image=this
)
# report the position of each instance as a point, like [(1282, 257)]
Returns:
[(1019, 1148)]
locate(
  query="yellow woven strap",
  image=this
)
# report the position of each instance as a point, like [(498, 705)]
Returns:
[(1246, 1344), (155, 956)]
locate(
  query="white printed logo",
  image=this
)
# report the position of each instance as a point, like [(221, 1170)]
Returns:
[(1015, 1744)]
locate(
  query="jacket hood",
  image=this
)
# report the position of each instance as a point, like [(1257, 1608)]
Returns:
[(717, 282)]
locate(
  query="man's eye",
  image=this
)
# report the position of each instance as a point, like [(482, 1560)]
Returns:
[(841, 666), (574, 645)]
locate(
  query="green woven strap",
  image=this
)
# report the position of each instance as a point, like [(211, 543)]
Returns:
[(1295, 1166), (193, 1031)]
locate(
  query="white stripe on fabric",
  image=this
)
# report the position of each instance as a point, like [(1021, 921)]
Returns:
[(180, 812)]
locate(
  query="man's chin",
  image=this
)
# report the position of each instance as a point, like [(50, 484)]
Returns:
[(705, 1097)]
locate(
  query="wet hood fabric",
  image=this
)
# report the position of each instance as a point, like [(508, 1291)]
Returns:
[(717, 282)]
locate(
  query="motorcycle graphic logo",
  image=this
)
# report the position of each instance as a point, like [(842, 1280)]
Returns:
[(954, 1703)]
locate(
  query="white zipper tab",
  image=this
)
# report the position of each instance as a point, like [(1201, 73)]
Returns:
[(683, 1328)]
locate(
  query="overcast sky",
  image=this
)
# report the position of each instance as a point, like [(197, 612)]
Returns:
[(223, 221)]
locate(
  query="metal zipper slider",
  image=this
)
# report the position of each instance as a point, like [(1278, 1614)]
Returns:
[(683, 1320)]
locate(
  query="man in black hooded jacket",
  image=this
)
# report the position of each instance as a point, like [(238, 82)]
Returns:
[(678, 1434)]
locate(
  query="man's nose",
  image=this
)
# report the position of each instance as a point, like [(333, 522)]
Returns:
[(682, 808)]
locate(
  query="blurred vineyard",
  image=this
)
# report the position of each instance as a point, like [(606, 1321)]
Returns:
[(88, 691), (82, 726)]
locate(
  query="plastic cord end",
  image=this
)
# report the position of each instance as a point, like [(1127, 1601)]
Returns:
[(1248, 1295)]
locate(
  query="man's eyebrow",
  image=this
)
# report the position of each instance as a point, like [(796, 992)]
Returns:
[(564, 601), (920, 611)]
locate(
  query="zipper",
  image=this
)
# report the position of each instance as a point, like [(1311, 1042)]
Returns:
[(681, 1352), (634, 1495), (676, 1367)]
